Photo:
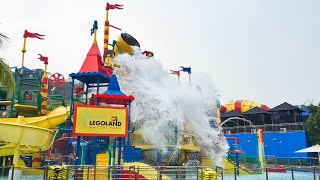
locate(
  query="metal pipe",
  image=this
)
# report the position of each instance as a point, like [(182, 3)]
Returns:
[(129, 121), (69, 121), (95, 138)]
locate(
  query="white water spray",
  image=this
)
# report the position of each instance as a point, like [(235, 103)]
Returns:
[(160, 105)]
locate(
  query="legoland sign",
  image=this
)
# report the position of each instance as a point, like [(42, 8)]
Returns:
[(100, 121)]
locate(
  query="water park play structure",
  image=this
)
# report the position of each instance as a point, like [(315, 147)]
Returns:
[(93, 130)]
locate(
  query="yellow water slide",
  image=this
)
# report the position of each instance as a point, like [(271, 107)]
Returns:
[(147, 171), (28, 135), (228, 166), (242, 106)]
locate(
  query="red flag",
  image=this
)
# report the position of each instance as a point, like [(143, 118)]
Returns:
[(113, 6), (32, 35), (43, 58), (175, 72)]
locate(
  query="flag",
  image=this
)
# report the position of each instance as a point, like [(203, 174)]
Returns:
[(32, 35), (175, 72), (94, 26), (43, 58), (186, 69), (148, 53), (113, 6)]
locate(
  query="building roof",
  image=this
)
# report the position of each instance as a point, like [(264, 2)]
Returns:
[(113, 88), (91, 77), (285, 107), (94, 63), (231, 114), (256, 110)]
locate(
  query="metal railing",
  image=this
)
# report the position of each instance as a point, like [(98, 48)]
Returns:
[(285, 127), (292, 161), (153, 173), (87, 172)]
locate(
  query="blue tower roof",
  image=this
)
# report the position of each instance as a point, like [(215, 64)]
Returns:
[(113, 88)]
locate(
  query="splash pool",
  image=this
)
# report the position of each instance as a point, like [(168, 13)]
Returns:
[(271, 176), (298, 175)]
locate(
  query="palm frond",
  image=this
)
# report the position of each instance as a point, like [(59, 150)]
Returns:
[(3, 38), (6, 77)]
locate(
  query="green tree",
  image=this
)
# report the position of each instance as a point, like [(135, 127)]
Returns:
[(313, 124), (6, 76)]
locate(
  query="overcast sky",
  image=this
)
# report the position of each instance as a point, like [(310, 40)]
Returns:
[(262, 50)]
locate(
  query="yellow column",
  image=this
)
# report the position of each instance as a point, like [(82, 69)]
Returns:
[(4, 161), (218, 116), (16, 152), (23, 50), (95, 36), (44, 91), (106, 33), (261, 149)]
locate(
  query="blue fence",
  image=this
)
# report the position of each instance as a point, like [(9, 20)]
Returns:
[(280, 144)]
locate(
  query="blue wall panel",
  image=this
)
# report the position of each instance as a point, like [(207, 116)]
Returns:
[(278, 144)]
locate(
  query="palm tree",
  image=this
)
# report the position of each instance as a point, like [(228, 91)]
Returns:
[(6, 76)]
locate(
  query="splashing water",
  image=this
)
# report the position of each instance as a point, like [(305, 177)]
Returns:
[(160, 105)]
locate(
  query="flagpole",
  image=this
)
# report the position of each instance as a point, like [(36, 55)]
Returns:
[(44, 91), (218, 106), (95, 36), (23, 50), (179, 80), (95, 28), (106, 34), (189, 79), (44, 88)]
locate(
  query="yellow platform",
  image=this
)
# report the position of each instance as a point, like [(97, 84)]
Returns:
[(228, 166), (25, 107), (102, 162), (5, 103), (190, 147), (145, 170), (145, 147), (102, 159)]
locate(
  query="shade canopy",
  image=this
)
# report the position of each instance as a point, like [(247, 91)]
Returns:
[(315, 148)]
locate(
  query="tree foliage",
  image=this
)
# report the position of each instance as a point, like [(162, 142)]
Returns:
[(313, 124), (6, 77)]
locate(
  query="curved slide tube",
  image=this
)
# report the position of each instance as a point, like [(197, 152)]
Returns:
[(242, 106), (32, 135)]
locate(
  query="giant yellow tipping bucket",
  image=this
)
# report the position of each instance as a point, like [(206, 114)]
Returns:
[(124, 43)]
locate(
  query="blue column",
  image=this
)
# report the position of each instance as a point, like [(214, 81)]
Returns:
[(119, 151), (69, 122), (77, 156), (87, 156), (95, 139), (87, 89), (176, 150), (237, 163), (129, 121), (114, 150), (78, 150), (158, 156), (119, 156)]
